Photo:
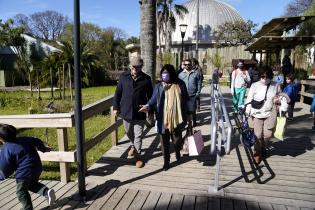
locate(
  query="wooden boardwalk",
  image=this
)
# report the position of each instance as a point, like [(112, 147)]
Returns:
[(285, 180)]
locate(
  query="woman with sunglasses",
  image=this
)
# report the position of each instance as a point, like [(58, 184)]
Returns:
[(264, 117), (170, 101)]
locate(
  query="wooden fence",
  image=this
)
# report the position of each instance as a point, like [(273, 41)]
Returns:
[(63, 121), (307, 89)]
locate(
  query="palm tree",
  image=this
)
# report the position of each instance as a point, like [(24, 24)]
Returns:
[(167, 21), (52, 63), (148, 36)]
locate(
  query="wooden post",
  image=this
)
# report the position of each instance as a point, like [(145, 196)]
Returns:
[(113, 120), (302, 93), (62, 136)]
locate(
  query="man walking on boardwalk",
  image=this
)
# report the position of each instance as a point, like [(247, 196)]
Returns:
[(134, 88)]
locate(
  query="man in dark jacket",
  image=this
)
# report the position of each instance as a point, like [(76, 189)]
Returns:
[(134, 89)]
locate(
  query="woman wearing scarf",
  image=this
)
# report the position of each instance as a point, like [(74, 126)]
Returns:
[(169, 100)]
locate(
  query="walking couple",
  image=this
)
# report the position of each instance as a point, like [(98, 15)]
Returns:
[(135, 97)]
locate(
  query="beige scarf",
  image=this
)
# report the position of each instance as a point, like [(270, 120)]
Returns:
[(172, 106)]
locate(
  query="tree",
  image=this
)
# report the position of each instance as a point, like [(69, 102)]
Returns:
[(166, 19), (308, 27), (37, 55), (148, 36), (11, 36), (21, 20), (235, 33), (48, 24), (297, 7)]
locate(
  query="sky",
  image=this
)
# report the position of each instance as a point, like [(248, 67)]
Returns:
[(125, 14)]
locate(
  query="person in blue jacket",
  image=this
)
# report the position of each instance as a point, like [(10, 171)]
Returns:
[(291, 89), (19, 154), (312, 110), (169, 99)]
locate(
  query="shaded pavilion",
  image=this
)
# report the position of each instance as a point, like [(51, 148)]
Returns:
[(272, 37)]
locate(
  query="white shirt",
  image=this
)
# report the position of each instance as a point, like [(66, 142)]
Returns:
[(257, 92)]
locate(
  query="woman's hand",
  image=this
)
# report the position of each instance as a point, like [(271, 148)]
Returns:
[(144, 108), (276, 100)]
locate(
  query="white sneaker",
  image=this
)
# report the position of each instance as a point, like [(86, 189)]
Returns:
[(51, 197)]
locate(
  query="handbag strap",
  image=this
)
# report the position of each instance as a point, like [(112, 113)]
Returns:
[(266, 92)]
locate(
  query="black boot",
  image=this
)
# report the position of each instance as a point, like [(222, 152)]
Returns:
[(177, 153), (166, 165)]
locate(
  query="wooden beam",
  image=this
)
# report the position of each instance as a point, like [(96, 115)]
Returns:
[(62, 120), (55, 156), (62, 135), (102, 135), (96, 108)]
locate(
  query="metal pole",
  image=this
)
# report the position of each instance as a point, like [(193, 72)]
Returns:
[(78, 100), (197, 32), (182, 54)]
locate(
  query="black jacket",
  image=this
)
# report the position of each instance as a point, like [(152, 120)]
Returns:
[(130, 94)]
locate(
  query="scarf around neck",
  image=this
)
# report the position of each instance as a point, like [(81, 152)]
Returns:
[(172, 113)]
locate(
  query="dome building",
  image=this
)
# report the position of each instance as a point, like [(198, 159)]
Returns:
[(212, 13)]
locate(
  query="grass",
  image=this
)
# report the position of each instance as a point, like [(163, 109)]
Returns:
[(19, 102)]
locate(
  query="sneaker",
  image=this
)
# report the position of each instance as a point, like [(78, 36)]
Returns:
[(131, 151), (51, 197), (290, 118)]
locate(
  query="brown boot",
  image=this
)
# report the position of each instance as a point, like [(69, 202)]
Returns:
[(131, 151), (139, 162), (257, 151)]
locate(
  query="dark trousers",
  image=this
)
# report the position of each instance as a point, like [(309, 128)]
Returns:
[(176, 137), (22, 188), (291, 109)]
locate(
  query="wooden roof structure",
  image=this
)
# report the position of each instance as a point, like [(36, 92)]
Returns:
[(277, 26), (274, 43), (270, 35)]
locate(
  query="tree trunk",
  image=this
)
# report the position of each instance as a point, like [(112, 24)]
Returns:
[(63, 82), (70, 81), (38, 86), (168, 31), (30, 81), (59, 82), (148, 37), (160, 44), (51, 83)]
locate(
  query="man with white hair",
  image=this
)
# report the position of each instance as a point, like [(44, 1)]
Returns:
[(134, 88)]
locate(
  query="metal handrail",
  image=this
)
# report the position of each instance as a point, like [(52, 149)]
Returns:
[(221, 130)]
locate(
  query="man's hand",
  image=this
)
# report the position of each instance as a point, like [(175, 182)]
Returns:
[(144, 108), (116, 113)]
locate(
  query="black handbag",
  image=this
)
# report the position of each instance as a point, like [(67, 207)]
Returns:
[(259, 104)]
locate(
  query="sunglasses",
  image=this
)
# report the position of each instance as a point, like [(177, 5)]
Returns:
[(187, 64), (137, 67)]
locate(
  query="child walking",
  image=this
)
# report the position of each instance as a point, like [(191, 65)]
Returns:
[(19, 154), (291, 89)]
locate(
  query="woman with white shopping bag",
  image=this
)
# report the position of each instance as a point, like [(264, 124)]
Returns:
[(170, 101), (262, 99)]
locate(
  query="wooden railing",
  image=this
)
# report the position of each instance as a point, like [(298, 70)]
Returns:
[(304, 92), (63, 121)]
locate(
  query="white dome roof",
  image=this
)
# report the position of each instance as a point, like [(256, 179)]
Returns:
[(212, 13)]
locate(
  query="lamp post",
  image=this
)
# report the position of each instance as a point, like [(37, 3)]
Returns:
[(182, 28)]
